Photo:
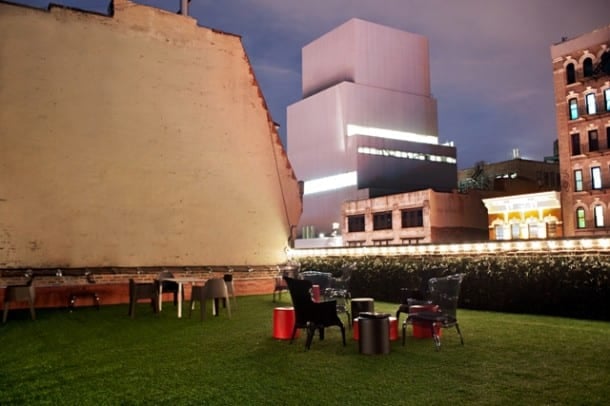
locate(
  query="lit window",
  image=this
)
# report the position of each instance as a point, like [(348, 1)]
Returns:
[(412, 218), (570, 73), (575, 144), (406, 155), (353, 129), (551, 229), (587, 67), (593, 141), (501, 233), (596, 177), (590, 103), (580, 218), (573, 108), (607, 99), (330, 183), (355, 223), (578, 180), (598, 215), (382, 221), (514, 231)]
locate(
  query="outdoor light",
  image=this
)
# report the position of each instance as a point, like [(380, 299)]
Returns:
[(549, 246)]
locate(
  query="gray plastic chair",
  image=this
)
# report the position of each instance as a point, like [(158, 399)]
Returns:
[(16, 293), (213, 289)]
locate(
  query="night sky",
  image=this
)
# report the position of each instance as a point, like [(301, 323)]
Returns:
[(490, 60)]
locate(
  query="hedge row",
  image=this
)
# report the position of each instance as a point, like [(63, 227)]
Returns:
[(563, 285)]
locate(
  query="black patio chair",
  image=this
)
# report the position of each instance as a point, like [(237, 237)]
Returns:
[(143, 290), (444, 292), (280, 283), (311, 315), (412, 296)]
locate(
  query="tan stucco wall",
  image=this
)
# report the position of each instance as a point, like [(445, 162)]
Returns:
[(135, 140)]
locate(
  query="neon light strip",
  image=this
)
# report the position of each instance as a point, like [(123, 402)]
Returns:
[(353, 129), (330, 183), (406, 155)]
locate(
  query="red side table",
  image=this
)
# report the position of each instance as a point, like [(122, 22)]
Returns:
[(283, 323), (421, 329), (315, 292)]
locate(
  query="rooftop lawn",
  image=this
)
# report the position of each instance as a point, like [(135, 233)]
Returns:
[(104, 357)]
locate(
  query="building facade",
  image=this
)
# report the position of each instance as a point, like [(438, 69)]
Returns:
[(365, 127), (425, 216), (515, 176), (581, 77), (135, 139), (525, 217)]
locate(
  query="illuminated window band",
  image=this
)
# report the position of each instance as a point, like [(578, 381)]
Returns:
[(353, 129), (330, 183), (548, 246), (406, 155)]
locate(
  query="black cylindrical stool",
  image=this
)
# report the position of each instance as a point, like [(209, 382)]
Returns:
[(362, 304), (374, 333)]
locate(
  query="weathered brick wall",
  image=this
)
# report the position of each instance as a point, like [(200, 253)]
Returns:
[(139, 139), (112, 285)]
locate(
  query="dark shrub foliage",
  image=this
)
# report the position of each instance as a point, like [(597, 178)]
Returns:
[(562, 285)]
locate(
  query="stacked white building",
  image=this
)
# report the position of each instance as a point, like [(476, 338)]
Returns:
[(367, 124)]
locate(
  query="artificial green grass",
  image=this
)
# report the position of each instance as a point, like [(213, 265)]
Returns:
[(104, 357)]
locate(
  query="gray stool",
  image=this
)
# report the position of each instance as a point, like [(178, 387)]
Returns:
[(374, 333), (362, 304)]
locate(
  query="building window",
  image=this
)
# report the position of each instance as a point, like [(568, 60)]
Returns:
[(551, 229), (593, 141), (580, 218), (573, 108), (590, 103), (412, 218), (532, 230), (607, 99), (514, 231), (598, 215), (575, 144), (596, 177), (578, 180), (382, 221), (570, 73), (355, 224), (587, 67)]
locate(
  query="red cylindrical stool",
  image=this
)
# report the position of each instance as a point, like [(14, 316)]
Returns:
[(422, 329), (315, 292), (393, 329), (283, 323)]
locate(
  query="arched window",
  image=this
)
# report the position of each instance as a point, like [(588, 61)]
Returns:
[(598, 215), (580, 218), (587, 67), (570, 73)]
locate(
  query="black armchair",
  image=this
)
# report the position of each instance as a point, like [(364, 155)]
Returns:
[(280, 283), (310, 315), (413, 296), (444, 292)]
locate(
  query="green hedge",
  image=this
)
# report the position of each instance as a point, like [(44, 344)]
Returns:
[(562, 285)]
